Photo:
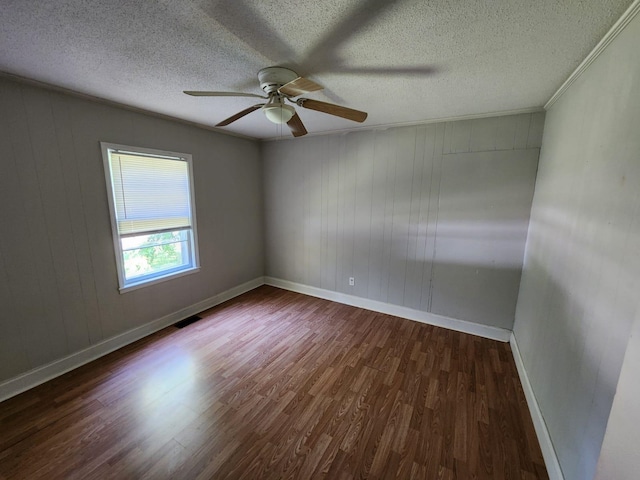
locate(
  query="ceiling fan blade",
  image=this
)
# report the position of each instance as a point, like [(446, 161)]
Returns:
[(299, 86), (239, 115), (195, 93), (296, 126), (331, 109)]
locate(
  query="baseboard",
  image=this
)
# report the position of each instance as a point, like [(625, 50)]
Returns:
[(548, 452), (37, 376), (493, 333)]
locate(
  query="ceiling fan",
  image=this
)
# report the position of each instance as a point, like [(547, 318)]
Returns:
[(281, 84)]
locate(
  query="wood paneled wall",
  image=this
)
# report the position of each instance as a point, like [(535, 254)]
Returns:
[(58, 283), (581, 279), (432, 217)]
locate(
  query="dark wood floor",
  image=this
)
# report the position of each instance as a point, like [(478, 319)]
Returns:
[(278, 385)]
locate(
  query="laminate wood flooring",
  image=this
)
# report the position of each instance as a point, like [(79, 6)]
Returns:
[(277, 385)]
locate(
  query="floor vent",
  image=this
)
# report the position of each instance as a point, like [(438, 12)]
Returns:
[(187, 321)]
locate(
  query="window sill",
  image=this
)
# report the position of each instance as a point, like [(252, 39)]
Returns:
[(155, 280)]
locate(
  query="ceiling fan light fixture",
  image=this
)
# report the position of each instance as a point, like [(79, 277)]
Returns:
[(278, 112)]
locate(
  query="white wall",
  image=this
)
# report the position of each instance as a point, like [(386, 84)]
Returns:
[(620, 455), (581, 278), (58, 282), (431, 217)]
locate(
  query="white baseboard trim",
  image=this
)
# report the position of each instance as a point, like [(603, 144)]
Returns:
[(546, 445), (39, 375), (493, 333)]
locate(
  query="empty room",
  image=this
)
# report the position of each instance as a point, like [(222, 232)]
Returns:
[(299, 240)]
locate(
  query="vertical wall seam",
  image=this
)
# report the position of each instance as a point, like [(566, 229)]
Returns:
[(440, 158), (373, 171), (426, 230), (413, 173), (44, 215), (355, 205), (86, 229), (70, 217), (393, 210)]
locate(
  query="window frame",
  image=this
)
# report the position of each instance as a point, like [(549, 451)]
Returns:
[(125, 285)]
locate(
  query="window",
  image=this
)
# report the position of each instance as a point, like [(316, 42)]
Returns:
[(152, 217)]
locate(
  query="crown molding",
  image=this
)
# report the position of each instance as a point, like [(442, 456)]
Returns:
[(387, 126), (613, 32)]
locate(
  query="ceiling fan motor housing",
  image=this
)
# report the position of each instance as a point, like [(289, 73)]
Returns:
[(272, 78)]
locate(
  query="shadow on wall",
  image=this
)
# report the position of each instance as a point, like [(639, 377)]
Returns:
[(574, 331), (439, 233)]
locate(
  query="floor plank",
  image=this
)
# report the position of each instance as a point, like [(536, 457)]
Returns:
[(274, 384)]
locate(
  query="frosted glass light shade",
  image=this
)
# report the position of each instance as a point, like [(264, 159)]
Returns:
[(279, 113)]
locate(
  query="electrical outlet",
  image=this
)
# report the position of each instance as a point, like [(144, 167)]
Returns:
[(352, 281)]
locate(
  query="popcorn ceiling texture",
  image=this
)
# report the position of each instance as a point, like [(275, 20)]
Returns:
[(401, 61)]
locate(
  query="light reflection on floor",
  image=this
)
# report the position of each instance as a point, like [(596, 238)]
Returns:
[(164, 403)]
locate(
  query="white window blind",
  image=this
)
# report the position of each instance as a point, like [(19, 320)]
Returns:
[(151, 194)]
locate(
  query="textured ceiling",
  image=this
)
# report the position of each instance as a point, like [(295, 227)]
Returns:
[(401, 61)]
